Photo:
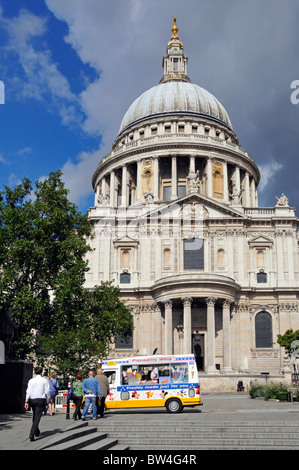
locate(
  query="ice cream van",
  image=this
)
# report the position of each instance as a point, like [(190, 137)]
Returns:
[(153, 381)]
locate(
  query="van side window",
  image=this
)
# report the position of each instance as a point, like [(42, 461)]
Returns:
[(153, 373), (130, 375), (110, 374), (179, 372)]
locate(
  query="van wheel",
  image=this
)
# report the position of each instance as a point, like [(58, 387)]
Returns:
[(173, 405)]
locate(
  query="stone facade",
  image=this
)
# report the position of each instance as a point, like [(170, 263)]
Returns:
[(178, 228)]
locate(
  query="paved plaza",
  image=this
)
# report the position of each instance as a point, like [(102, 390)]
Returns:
[(14, 429)]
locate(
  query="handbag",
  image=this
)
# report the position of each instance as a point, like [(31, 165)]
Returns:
[(56, 388)]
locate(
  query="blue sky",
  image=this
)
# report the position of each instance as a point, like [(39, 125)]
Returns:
[(71, 69)]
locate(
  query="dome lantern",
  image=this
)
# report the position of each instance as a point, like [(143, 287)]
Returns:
[(175, 61)]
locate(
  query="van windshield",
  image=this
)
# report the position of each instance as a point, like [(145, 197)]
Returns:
[(155, 373)]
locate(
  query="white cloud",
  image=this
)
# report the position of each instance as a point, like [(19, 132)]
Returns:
[(267, 171), (24, 151), (43, 81), (77, 175), (13, 180)]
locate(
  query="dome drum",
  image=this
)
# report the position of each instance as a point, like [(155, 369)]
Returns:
[(165, 175)]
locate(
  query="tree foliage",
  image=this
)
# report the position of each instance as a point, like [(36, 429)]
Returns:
[(287, 340), (43, 247)]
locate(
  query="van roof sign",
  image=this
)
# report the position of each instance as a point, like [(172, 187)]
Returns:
[(148, 359)]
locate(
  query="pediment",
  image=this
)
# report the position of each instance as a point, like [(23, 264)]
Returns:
[(125, 241), (260, 240), (199, 204)]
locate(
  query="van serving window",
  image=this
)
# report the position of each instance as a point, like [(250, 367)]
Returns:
[(154, 373)]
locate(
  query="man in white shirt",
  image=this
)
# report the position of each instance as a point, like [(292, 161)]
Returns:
[(37, 392), (155, 374)]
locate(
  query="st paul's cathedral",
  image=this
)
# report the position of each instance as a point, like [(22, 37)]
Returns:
[(179, 229)]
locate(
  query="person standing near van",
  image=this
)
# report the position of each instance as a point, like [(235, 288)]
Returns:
[(37, 392), (104, 384), (54, 387), (77, 395), (92, 392)]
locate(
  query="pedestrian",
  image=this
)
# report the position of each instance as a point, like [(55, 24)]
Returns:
[(92, 392), (54, 387), (77, 395), (240, 386), (37, 392), (104, 384)]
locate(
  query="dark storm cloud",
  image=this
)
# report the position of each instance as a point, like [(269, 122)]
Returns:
[(243, 52)]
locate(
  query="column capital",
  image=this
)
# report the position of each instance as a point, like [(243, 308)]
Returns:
[(167, 303), (210, 301), (227, 303), (187, 301)]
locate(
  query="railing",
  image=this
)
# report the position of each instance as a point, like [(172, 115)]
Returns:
[(260, 211), (179, 137)]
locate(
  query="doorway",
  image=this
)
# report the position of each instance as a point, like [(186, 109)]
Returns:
[(198, 348)]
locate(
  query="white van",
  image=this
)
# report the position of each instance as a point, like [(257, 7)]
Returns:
[(153, 381)]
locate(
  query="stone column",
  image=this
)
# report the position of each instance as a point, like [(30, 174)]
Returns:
[(253, 193), (124, 186), (187, 302), (174, 178), (192, 164), (227, 359), (112, 188), (237, 179), (225, 182), (104, 187), (138, 182), (168, 327), (211, 334), (247, 190), (156, 179), (209, 178), (156, 329)]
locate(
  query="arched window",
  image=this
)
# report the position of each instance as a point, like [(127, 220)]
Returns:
[(220, 257), (263, 330), (125, 278), (261, 277), (166, 257)]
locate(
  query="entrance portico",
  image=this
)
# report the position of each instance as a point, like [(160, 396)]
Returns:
[(208, 291)]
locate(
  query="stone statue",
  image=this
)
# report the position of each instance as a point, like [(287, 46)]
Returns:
[(236, 197), (103, 200), (282, 200), (148, 197), (8, 330), (193, 179)]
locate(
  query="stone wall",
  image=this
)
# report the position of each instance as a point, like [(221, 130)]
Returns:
[(217, 384)]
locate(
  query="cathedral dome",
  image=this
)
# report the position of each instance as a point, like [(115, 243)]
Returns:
[(175, 97)]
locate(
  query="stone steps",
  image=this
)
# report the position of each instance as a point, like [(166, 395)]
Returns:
[(176, 435), (82, 437), (202, 436)]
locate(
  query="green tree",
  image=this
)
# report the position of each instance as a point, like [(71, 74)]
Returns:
[(286, 341), (43, 243), (82, 346)]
